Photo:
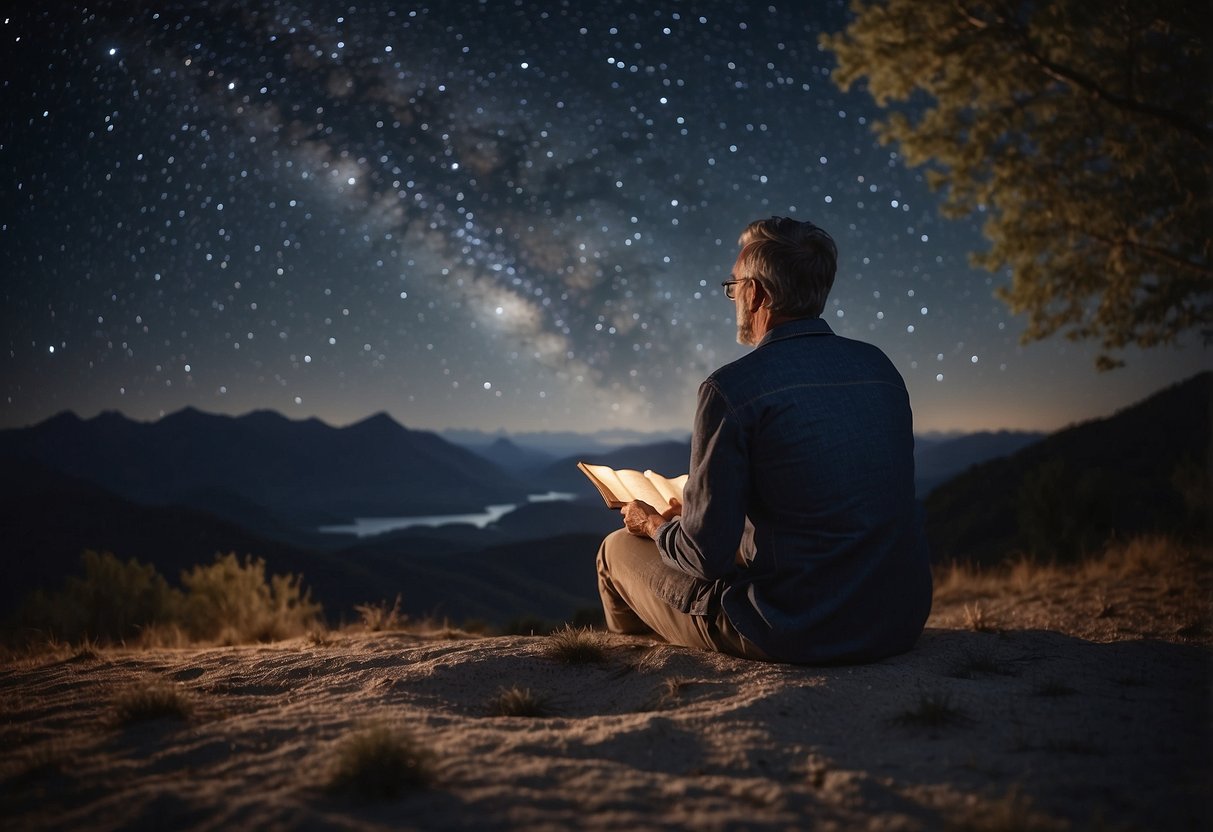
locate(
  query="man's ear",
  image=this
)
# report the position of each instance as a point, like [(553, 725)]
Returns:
[(758, 297)]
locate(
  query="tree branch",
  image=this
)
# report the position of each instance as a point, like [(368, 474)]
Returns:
[(1078, 80)]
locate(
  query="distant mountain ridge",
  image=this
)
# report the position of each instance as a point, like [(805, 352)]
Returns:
[(296, 473), (553, 444), (509, 455)]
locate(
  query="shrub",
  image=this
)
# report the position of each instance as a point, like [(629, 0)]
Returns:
[(113, 601), (231, 601), (934, 710), (152, 699), (380, 762), (118, 602), (518, 701), (378, 617)]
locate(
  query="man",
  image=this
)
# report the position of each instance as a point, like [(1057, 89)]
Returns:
[(798, 539)]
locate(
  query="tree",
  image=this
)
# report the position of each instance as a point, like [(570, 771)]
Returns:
[(1082, 129)]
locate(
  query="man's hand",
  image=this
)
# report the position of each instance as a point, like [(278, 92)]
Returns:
[(642, 520)]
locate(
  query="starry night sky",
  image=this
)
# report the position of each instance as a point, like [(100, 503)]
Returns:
[(486, 215)]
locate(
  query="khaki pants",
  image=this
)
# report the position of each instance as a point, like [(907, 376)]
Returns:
[(630, 572)]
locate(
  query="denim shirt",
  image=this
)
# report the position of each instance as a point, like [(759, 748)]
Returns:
[(809, 438)]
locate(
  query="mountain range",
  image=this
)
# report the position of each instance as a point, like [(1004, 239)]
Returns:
[(277, 476), (178, 491)]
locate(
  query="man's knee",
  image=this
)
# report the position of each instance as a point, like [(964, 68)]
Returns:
[(608, 552)]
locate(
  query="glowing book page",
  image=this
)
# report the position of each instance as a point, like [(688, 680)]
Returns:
[(669, 489), (623, 485)]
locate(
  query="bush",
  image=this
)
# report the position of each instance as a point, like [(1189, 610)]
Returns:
[(113, 601), (232, 602), (380, 762), (380, 617), (519, 701), (227, 600)]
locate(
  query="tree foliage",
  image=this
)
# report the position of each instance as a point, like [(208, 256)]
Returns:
[(1082, 129)]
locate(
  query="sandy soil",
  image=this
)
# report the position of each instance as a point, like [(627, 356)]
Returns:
[(1002, 727)]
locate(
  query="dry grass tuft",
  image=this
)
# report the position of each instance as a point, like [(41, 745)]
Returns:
[(519, 701), (380, 617), (88, 650), (668, 693), (152, 699), (934, 710), (164, 635), (380, 762), (576, 645), (975, 618)]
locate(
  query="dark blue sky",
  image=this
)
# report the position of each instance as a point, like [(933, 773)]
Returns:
[(473, 214)]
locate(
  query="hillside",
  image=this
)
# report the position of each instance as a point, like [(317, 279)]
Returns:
[(494, 576), (937, 461), (1143, 469)]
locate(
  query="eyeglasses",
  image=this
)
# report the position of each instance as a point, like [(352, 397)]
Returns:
[(729, 291)]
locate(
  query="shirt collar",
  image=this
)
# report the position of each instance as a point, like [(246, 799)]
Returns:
[(796, 328)]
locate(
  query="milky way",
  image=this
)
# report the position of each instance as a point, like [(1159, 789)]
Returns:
[(493, 214)]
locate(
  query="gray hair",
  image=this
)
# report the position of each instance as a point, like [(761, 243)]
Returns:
[(794, 261)]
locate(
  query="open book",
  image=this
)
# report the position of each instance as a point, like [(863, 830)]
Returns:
[(619, 486)]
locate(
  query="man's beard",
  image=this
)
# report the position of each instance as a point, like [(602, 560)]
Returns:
[(745, 327)]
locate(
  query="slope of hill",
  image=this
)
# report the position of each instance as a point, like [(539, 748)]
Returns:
[(299, 473), (1144, 469), (49, 519), (937, 461)]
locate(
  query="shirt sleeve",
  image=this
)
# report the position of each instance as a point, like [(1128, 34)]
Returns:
[(703, 541)]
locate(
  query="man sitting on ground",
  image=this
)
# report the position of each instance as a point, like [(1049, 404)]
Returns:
[(798, 539)]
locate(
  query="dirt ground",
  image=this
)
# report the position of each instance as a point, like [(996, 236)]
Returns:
[(1076, 701)]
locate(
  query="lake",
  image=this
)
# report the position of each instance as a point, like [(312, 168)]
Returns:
[(370, 526)]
